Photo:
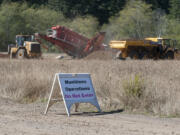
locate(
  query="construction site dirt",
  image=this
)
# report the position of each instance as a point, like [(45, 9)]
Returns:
[(110, 54), (96, 55), (22, 80), (4, 55), (27, 119)]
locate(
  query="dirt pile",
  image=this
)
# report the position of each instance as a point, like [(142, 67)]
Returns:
[(102, 55), (110, 54), (27, 119)]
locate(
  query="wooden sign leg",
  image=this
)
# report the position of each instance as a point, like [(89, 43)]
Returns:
[(52, 89)]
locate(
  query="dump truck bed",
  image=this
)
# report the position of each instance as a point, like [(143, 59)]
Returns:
[(122, 44)]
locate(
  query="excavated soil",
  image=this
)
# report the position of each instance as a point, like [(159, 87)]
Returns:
[(110, 54), (102, 55), (96, 55), (28, 119)]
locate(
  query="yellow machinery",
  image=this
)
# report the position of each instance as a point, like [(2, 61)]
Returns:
[(25, 47), (156, 48)]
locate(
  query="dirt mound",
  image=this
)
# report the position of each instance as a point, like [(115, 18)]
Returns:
[(101, 55), (110, 54)]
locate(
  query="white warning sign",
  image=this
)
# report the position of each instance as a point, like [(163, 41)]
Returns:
[(76, 88)]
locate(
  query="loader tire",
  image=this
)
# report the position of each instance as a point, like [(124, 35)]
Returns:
[(21, 54), (170, 55), (134, 55), (9, 49)]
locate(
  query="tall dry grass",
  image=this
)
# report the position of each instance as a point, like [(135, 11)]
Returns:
[(30, 80)]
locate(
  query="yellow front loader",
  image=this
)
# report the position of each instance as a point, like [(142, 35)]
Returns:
[(155, 48), (25, 47)]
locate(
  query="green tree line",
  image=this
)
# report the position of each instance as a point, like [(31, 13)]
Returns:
[(101, 9), (118, 18)]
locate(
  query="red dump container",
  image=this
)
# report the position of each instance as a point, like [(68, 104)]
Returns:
[(71, 42)]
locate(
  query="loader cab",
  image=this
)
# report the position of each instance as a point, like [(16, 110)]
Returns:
[(173, 43), (20, 39)]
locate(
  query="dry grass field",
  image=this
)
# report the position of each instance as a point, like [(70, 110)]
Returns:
[(136, 97), (151, 87)]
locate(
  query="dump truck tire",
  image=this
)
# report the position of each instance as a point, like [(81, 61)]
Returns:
[(134, 55), (21, 54), (170, 55), (143, 55)]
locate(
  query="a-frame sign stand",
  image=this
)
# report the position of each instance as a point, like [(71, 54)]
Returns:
[(74, 88), (50, 96)]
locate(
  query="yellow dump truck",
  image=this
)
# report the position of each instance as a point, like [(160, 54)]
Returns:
[(155, 48), (25, 47)]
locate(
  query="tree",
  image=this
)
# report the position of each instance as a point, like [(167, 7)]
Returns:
[(30, 2), (17, 19), (159, 23), (175, 9), (55, 4), (159, 4), (173, 30), (11, 23), (134, 21), (101, 9), (86, 26)]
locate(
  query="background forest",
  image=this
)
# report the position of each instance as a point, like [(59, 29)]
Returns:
[(118, 18)]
